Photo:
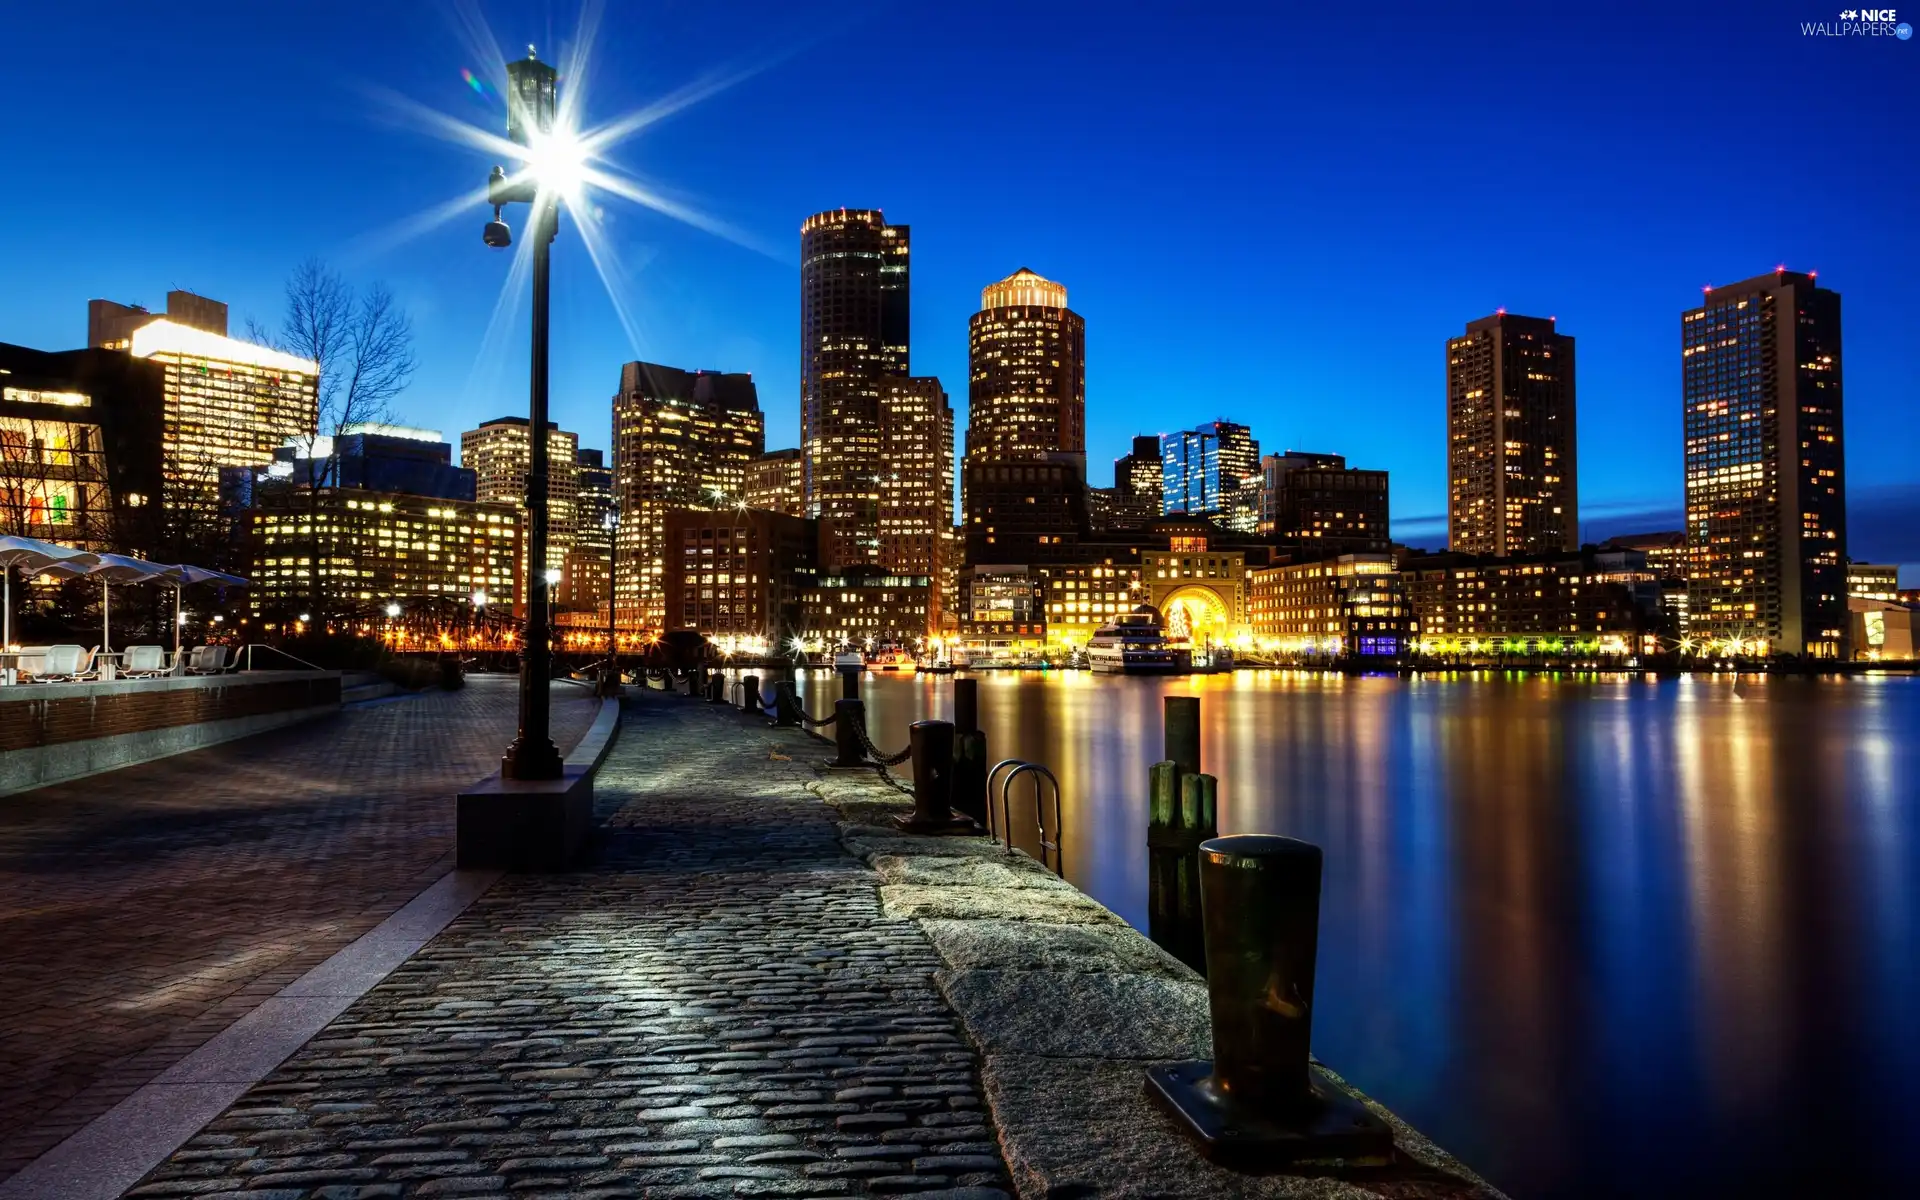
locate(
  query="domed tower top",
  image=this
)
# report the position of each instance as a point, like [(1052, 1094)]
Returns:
[(1023, 287)]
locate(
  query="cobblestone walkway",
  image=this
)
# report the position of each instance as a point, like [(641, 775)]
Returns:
[(719, 1009), (146, 909)]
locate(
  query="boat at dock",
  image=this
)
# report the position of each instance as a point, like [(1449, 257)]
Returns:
[(1136, 644)]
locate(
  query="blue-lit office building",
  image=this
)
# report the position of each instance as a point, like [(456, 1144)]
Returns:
[(1212, 471)]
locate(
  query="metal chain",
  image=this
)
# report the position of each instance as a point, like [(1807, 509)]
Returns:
[(873, 752)]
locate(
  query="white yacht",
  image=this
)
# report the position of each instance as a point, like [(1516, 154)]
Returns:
[(1135, 644)]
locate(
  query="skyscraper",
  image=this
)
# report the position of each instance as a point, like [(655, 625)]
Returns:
[(681, 439), (590, 558), (916, 482), (1026, 372), (854, 322), (500, 453), (1511, 468), (1765, 466), (1213, 471)]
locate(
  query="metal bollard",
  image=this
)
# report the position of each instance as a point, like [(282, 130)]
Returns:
[(786, 705), (849, 683), (932, 743), (716, 688), (966, 705), (850, 716), (1261, 1101), (970, 752), (1181, 724), (750, 694)]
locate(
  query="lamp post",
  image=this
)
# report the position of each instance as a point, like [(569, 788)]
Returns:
[(611, 520), (532, 102)]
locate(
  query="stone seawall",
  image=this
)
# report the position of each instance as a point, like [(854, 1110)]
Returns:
[(1067, 1005)]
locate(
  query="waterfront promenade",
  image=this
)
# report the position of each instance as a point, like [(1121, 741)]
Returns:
[(757, 989), (148, 908)]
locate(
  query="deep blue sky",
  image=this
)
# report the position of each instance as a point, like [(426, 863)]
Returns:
[(1268, 215)]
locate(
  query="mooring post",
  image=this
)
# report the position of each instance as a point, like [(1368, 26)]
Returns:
[(1261, 1101), (849, 683), (1181, 724), (750, 694), (1199, 806), (932, 745), (969, 753), (786, 705), (716, 688), (1163, 796), (849, 716)]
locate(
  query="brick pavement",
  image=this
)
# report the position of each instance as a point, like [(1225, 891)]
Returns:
[(149, 908), (719, 1008)]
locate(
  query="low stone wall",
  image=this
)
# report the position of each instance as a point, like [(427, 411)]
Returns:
[(1068, 1005), (51, 732)]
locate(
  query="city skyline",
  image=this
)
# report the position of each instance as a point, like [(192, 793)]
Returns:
[(1617, 281)]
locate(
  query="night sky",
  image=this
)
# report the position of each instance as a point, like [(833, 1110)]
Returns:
[(1275, 216)]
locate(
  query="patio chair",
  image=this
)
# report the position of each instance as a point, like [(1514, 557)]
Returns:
[(143, 662), (31, 663), (63, 664), (207, 660)]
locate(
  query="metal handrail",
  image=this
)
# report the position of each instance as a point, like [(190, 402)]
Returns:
[(1022, 767), (251, 646)]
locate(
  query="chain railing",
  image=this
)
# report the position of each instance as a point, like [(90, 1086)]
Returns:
[(873, 752)]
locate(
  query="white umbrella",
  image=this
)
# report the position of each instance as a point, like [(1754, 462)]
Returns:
[(35, 556), (186, 573), (118, 568)]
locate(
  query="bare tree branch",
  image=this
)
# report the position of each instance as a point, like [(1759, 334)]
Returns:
[(364, 346)]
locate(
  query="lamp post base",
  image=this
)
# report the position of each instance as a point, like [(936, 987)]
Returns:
[(531, 758), (1333, 1130)]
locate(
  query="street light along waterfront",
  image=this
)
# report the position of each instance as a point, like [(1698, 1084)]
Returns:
[(552, 168)]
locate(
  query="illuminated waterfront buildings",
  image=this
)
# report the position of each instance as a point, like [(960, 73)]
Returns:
[(500, 453), (1351, 605), (854, 325), (1026, 372), (916, 483), (1212, 471), (80, 448), (776, 481), (1137, 478), (1317, 501), (866, 606), (377, 548), (225, 403), (1605, 597), (681, 439), (1511, 469), (111, 326), (737, 575), (588, 579), (1873, 581), (1766, 499), (1199, 587)]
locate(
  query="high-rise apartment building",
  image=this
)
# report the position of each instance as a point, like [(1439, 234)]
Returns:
[(500, 453), (916, 482), (1212, 471), (1511, 469), (681, 439), (225, 403), (776, 482), (589, 571), (1026, 372), (1765, 468), (854, 323)]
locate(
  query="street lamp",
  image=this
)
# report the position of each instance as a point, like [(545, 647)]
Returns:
[(611, 521), (532, 102)]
